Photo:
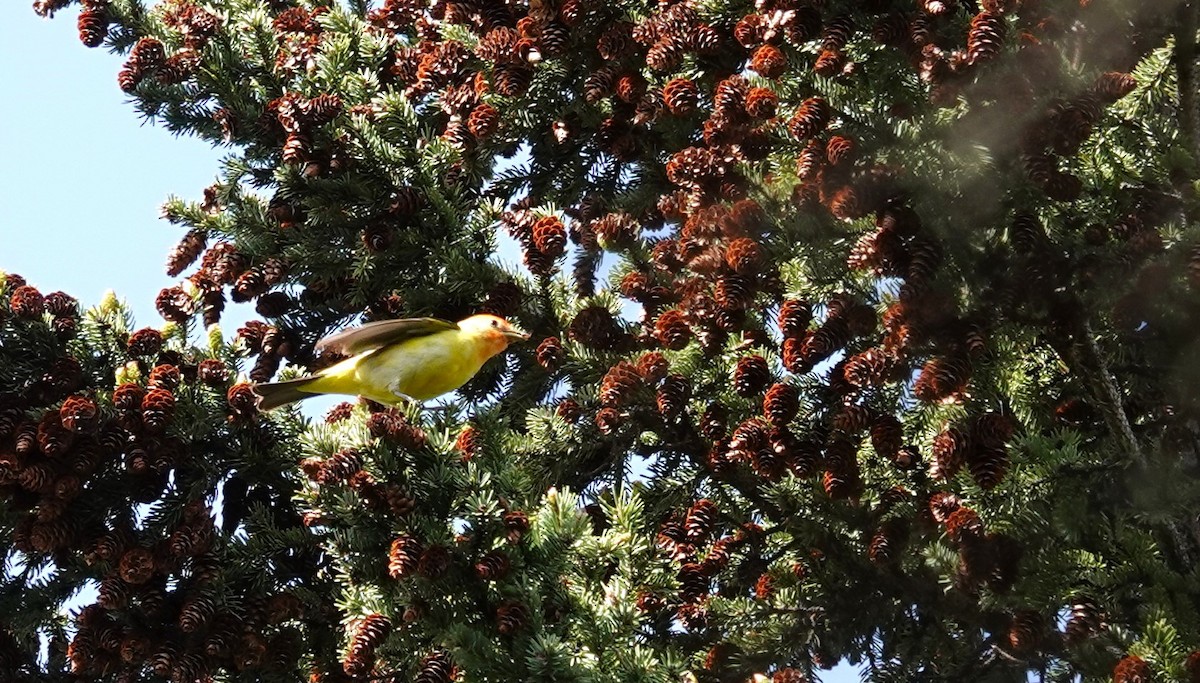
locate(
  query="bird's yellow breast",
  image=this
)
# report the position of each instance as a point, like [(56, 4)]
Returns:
[(421, 368)]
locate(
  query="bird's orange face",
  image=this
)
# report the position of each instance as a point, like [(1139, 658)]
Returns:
[(495, 332)]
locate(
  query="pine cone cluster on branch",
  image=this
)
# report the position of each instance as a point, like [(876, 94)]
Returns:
[(813, 247)]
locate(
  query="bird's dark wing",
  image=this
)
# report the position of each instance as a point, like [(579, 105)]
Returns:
[(375, 335)]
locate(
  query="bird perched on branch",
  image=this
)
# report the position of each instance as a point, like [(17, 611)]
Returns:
[(396, 360)]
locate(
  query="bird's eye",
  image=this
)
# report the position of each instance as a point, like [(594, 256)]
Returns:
[(495, 323)]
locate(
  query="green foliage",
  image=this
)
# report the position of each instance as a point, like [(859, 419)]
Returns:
[(993, 232)]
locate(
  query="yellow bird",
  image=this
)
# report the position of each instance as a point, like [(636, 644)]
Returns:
[(394, 360)]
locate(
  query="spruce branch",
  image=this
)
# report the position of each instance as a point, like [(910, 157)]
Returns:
[(375, 128), (1118, 421)]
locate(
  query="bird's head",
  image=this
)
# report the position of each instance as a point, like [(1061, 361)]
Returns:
[(495, 332)]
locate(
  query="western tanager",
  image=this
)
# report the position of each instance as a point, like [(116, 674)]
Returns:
[(394, 360)]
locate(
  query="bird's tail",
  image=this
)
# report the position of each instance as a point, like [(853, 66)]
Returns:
[(275, 394)]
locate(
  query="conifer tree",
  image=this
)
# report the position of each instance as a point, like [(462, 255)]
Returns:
[(863, 331)]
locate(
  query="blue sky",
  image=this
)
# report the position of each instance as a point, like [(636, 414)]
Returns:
[(83, 177)]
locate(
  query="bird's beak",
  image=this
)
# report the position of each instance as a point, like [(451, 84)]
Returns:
[(516, 335)]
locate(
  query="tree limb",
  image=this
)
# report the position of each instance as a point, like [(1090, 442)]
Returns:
[(1185, 62), (1094, 365)]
